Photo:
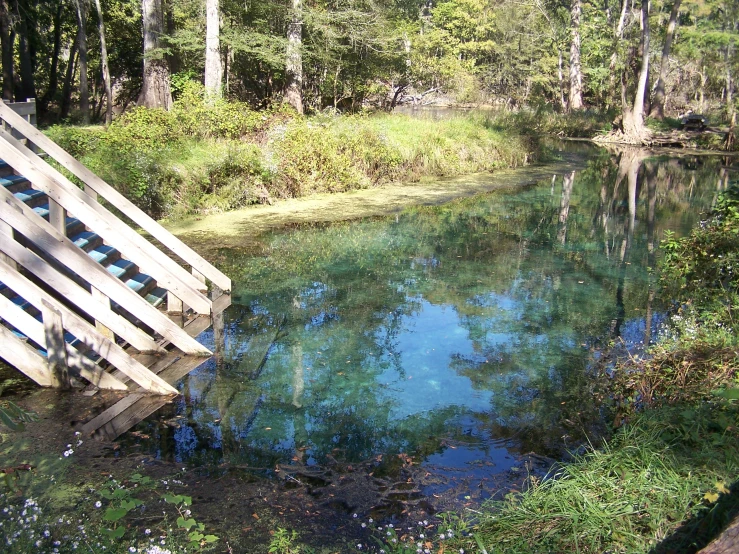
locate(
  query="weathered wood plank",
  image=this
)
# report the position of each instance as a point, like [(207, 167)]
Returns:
[(117, 408), (80, 297), (117, 199), (23, 109), (37, 230), (21, 356), (56, 350), (132, 245), (87, 333), (78, 365)]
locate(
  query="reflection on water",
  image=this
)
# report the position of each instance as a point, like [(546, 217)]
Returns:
[(458, 333)]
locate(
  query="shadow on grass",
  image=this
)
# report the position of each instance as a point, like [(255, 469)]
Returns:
[(697, 532)]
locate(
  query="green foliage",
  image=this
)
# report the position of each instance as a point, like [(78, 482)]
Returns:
[(703, 269), (283, 542), (14, 417), (669, 466), (198, 158)]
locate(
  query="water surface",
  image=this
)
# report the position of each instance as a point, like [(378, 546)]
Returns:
[(459, 335)]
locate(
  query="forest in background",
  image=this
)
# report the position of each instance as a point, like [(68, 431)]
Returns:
[(81, 58)]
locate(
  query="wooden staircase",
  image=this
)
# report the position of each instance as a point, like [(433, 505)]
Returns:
[(82, 294)]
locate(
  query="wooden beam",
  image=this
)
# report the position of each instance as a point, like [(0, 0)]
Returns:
[(58, 216), (87, 333), (132, 245), (78, 365), (38, 231), (87, 302), (24, 358), (56, 351), (6, 234), (117, 199)]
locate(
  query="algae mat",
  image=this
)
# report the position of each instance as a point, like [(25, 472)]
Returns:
[(232, 228)]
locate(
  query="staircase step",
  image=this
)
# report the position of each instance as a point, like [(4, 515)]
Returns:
[(15, 183), (122, 268), (74, 226), (21, 302), (104, 254), (156, 297), (31, 197), (5, 168), (87, 240), (42, 210), (141, 283)]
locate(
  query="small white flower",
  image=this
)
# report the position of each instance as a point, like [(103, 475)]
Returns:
[(132, 549), (147, 532), (98, 504), (355, 515)]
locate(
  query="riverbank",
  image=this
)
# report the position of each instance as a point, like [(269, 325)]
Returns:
[(198, 159)]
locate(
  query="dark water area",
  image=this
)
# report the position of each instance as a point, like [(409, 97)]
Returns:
[(460, 336)]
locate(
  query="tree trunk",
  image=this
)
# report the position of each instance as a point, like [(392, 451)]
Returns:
[(560, 75), (69, 79), (294, 65), (6, 43), (81, 11), (575, 70), (617, 35), (28, 87), (633, 120), (155, 92), (730, 111), (104, 64), (564, 206), (213, 66), (658, 104), (54, 69)]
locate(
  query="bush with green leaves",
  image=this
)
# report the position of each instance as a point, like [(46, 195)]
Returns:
[(702, 269)]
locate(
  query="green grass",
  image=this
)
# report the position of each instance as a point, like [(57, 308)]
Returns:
[(670, 466), (202, 159)]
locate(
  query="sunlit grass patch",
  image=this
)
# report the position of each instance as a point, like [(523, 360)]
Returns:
[(669, 466)]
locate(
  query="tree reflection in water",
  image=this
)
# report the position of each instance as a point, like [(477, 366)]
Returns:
[(472, 324)]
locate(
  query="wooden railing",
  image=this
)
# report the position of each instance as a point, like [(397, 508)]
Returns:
[(88, 322)]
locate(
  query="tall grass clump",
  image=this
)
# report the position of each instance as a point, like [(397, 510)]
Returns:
[(630, 495)]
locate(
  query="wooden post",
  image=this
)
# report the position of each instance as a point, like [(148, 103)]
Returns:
[(58, 216), (174, 304), (6, 234), (105, 301), (56, 350)]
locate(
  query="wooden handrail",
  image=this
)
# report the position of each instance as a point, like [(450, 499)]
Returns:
[(86, 333), (43, 234), (101, 221), (197, 262)]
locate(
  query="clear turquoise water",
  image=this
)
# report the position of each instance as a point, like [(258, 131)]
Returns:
[(459, 334)]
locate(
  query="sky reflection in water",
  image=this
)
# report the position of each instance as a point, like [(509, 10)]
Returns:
[(453, 333)]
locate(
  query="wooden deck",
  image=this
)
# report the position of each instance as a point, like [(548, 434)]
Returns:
[(82, 294)]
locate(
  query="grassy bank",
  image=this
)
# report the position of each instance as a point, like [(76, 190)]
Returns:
[(668, 480), (204, 159)]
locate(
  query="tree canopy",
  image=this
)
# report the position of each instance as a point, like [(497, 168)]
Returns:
[(350, 54)]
